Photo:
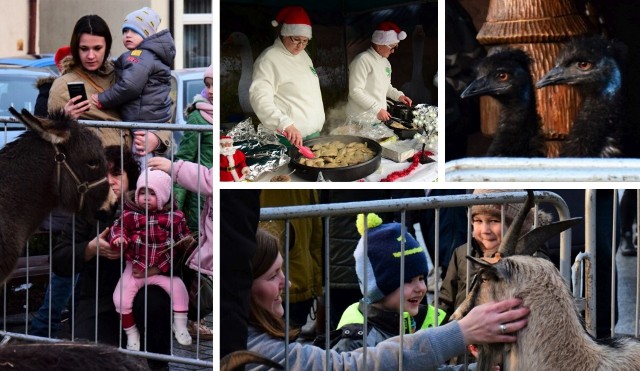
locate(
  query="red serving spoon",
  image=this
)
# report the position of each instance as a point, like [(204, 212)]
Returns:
[(305, 151)]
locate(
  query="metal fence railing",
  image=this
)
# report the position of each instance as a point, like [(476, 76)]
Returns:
[(199, 355), (325, 211)]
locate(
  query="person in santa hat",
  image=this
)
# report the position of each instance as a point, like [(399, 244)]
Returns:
[(285, 92), (370, 74), (233, 166)]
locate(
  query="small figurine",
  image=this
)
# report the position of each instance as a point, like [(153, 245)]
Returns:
[(233, 166)]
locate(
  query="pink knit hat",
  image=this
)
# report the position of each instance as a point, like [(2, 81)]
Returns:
[(388, 33), (209, 71), (159, 182), (295, 22)]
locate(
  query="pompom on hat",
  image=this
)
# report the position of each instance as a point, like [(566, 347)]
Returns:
[(159, 182), (388, 33), (382, 265), (295, 22), (143, 21)]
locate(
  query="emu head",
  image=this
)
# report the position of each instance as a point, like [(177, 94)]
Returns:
[(504, 75), (591, 63), (79, 182)]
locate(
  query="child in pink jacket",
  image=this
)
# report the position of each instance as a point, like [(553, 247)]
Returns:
[(144, 233), (195, 178)]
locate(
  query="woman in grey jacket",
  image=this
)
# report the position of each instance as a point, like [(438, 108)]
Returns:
[(423, 350)]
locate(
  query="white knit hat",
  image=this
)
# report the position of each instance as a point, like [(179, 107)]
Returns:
[(143, 21), (388, 33), (295, 22)]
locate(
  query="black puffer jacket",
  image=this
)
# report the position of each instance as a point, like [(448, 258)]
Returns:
[(144, 81)]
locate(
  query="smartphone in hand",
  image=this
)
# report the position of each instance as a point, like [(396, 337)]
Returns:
[(75, 89)]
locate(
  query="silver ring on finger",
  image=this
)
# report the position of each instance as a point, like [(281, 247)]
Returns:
[(503, 329)]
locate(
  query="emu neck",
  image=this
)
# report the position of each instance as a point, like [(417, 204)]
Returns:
[(518, 133), (594, 132)]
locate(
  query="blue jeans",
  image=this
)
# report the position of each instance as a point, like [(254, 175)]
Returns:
[(59, 291)]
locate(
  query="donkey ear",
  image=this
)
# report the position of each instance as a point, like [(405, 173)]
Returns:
[(531, 242), (54, 131)]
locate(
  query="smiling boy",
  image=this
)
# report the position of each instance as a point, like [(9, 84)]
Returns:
[(382, 294)]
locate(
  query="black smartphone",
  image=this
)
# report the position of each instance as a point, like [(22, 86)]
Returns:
[(75, 89)]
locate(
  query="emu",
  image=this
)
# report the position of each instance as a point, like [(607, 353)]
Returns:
[(57, 162), (594, 65), (554, 338), (505, 75)]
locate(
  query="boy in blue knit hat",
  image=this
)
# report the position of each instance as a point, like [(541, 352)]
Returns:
[(382, 293), (144, 77)]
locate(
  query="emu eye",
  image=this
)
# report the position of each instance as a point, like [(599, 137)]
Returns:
[(583, 65), (502, 76)]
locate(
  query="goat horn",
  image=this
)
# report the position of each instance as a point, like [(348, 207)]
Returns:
[(534, 239), (507, 248)]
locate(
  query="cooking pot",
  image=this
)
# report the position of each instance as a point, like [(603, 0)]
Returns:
[(337, 174)]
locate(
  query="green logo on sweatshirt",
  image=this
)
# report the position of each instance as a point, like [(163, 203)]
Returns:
[(388, 71), (313, 71)]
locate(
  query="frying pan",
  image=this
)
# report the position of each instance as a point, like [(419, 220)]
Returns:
[(337, 174)]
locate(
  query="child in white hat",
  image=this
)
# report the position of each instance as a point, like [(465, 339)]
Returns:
[(144, 77), (149, 233)]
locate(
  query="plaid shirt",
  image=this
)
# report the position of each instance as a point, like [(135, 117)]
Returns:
[(135, 227)]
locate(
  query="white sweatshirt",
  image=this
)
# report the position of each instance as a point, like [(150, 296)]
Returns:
[(286, 90), (370, 83)]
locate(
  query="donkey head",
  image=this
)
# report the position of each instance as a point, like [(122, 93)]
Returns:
[(80, 183)]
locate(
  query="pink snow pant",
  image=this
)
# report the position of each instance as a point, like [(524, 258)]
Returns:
[(130, 286)]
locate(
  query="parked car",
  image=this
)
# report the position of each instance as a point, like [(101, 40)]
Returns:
[(18, 90), (185, 84), (33, 61)]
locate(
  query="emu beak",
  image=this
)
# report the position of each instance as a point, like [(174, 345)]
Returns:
[(555, 76), (480, 86)]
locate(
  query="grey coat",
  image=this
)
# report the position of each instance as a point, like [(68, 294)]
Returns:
[(144, 81)]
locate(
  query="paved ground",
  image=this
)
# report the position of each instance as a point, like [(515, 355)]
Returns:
[(627, 292)]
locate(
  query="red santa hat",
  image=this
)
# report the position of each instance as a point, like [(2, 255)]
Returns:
[(60, 54), (226, 139), (295, 22), (388, 33)]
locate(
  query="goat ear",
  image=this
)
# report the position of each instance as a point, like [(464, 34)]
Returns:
[(531, 242), (53, 131)]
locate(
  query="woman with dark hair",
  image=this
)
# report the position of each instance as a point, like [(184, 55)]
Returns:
[(83, 248), (423, 350), (89, 63)]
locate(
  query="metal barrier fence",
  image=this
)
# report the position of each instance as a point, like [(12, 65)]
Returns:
[(199, 355), (487, 169), (326, 211)]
